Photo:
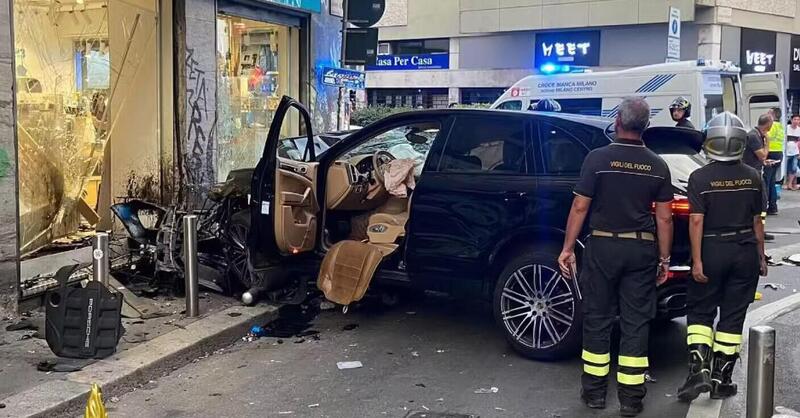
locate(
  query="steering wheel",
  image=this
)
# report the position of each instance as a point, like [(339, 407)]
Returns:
[(379, 161)]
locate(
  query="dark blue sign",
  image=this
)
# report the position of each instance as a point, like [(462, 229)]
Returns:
[(340, 77), (411, 62)]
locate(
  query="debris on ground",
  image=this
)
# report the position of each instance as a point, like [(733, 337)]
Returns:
[(414, 354), (774, 286), (55, 366), (485, 390), (649, 378), (327, 306), (497, 408), (793, 259), (420, 385), (234, 314), (440, 351), (114, 399), (758, 296), (314, 405), (785, 412), (349, 327), (23, 325), (345, 365)]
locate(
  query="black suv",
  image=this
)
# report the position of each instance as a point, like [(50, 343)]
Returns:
[(486, 215)]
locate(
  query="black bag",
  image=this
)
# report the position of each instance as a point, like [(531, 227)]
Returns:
[(82, 322)]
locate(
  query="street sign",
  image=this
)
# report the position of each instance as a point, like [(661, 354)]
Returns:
[(674, 35), (341, 77)]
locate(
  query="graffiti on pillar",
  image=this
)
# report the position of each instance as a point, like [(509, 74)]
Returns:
[(199, 156)]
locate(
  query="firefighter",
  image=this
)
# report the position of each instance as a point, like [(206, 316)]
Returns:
[(545, 105), (681, 111), (726, 198), (621, 267)]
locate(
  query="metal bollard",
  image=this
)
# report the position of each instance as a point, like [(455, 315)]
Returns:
[(190, 265), (100, 264), (761, 372)]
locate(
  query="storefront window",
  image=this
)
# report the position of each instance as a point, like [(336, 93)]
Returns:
[(257, 65), (88, 121)]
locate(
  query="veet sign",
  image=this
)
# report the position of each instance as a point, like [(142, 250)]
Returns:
[(310, 5), (579, 48), (411, 62)]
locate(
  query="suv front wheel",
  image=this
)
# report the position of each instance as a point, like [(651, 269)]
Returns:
[(537, 308)]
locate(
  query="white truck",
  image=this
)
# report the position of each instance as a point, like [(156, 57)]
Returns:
[(710, 86)]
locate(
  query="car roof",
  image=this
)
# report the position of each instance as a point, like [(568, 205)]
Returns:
[(594, 121)]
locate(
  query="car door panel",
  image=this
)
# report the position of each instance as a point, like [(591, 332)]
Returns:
[(457, 218), (297, 207), (281, 222)]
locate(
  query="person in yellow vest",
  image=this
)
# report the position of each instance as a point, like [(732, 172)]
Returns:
[(776, 139)]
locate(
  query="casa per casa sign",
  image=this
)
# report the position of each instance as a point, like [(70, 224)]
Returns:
[(411, 62)]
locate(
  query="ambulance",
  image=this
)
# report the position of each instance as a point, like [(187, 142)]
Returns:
[(710, 86)]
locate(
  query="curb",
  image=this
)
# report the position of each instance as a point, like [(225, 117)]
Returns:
[(119, 373), (710, 408)]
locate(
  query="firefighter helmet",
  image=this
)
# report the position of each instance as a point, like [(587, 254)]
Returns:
[(683, 104), (547, 105), (725, 137)]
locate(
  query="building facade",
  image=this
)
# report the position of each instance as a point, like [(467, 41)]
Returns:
[(470, 51), (107, 100)]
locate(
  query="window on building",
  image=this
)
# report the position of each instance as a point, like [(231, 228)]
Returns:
[(413, 98), (563, 154), (485, 144), (473, 96), (417, 47)]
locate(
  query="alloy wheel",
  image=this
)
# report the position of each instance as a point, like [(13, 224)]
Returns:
[(237, 254), (537, 306)]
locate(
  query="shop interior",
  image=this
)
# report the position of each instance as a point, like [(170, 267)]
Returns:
[(88, 121), (258, 63)]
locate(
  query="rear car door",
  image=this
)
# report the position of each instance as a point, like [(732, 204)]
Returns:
[(762, 92), (284, 204), (470, 200)]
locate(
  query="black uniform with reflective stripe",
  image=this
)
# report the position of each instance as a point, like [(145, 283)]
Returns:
[(729, 195), (624, 179), (618, 275)]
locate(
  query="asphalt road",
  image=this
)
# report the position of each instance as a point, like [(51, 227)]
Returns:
[(421, 358)]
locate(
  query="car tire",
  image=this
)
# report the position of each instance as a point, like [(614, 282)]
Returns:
[(238, 269), (541, 320)]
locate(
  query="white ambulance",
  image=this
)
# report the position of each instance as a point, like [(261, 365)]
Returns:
[(710, 86)]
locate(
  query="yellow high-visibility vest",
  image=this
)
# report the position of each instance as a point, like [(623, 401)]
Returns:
[(776, 137)]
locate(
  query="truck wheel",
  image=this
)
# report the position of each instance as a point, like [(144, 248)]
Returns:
[(537, 308)]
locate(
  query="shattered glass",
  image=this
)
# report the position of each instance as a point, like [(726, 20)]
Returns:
[(74, 75)]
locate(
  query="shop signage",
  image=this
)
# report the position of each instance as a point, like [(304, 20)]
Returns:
[(581, 48), (757, 51), (411, 62), (794, 72), (310, 5), (674, 35), (341, 77)]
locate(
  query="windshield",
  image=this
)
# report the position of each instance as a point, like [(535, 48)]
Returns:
[(293, 148), (682, 165)]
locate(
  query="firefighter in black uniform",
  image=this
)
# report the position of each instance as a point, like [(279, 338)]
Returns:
[(620, 182), (726, 198), (681, 110)]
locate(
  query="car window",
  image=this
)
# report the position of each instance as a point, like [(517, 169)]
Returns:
[(294, 148), (563, 154), (511, 105), (485, 144)]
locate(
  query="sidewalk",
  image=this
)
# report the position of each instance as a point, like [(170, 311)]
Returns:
[(149, 349), (787, 360)]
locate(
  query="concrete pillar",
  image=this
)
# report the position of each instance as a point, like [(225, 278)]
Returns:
[(196, 65), (9, 246), (709, 42), (454, 95)]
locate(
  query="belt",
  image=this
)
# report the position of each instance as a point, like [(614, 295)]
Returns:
[(645, 236), (729, 234)]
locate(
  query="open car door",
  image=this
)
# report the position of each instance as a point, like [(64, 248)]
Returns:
[(284, 208), (762, 92)]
